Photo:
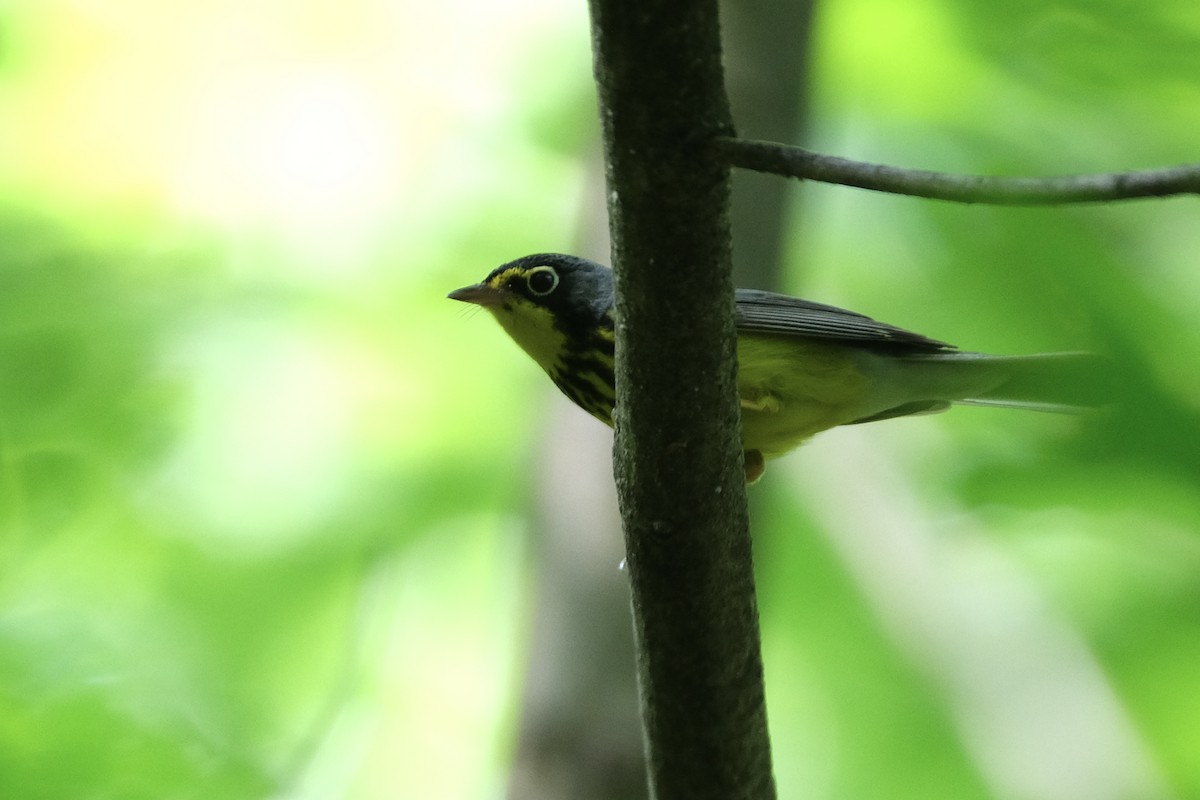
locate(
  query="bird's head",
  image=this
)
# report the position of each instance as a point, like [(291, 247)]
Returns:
[(548, 303)]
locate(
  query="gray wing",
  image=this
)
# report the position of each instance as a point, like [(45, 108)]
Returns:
[(767, 312)]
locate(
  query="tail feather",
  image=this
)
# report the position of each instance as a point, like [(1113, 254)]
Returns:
[(1058, 382)]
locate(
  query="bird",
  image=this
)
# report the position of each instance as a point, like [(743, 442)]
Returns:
[(803, 367)]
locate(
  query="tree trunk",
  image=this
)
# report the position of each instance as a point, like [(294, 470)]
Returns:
[(678, 430)]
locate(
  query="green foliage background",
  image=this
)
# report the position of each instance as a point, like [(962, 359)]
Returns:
[(263, 491)]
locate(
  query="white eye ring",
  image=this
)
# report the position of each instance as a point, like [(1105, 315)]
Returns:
[(537, 284)]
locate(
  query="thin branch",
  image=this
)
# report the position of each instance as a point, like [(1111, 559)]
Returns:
[(795, 162)]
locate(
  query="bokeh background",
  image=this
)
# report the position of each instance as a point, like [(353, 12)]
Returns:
[(277, 520)]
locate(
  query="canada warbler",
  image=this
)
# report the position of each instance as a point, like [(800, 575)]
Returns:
[(803, 367)]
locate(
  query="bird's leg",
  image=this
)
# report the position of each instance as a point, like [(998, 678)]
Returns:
[(763, 401), (756, 465)]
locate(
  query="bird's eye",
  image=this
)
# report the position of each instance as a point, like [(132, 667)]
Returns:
[(541, 280)]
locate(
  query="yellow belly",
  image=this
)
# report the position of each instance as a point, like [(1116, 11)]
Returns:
[(793, 388)]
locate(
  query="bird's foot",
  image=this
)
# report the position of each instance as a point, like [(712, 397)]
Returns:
[(756, 465), (763, 402)]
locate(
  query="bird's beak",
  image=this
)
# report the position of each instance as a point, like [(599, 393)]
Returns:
[(481, 294)]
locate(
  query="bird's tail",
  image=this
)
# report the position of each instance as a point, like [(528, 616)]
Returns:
[(1060, 382)]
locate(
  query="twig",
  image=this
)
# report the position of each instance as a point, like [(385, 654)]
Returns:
[(795, 162)]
